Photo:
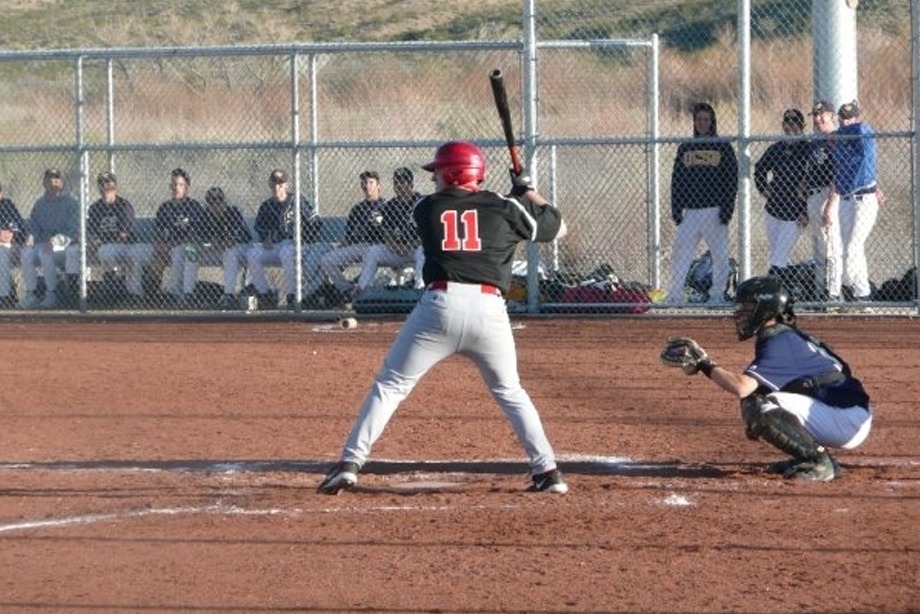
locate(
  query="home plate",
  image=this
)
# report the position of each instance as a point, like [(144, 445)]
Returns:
[(423, 483)]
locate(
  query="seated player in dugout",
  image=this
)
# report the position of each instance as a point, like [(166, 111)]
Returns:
[(797, 394)]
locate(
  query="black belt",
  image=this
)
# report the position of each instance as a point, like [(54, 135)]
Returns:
[(815, 189), (807, 385), (863, 192)]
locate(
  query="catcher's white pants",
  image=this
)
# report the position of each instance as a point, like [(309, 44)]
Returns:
[(857, 217), (9, 256), (781, 237), (49, 261), (830, 426), (699, 225), (461, 320), (826, 245), (132, 256)]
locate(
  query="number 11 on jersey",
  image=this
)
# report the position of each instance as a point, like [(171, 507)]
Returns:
[(451, 221)]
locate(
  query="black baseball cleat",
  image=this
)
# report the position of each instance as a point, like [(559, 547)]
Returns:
[(550, 481), (342, 476)]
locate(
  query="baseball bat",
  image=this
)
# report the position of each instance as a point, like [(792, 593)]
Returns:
[(504, 114)]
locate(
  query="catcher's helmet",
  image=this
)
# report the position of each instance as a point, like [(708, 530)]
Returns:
[(759, 299), (460, 163)]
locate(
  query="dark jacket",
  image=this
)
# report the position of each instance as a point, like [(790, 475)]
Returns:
[(224, 228), (781, 168), (11, 219), (364, 223), (275, 221), (178, 221), (398, 224), (107, 222), (705, 174)]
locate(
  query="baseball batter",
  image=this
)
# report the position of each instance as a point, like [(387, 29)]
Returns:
[(797, 394), (469, 236)]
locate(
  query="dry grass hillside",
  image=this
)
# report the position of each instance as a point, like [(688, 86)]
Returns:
[(689, 25)]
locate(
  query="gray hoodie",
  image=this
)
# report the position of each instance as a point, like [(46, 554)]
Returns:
[(53, 216)]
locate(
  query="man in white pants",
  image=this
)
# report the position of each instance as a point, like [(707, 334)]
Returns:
[(362, 231), (400, 246), (823, 201), (856, 182), (110, 236)]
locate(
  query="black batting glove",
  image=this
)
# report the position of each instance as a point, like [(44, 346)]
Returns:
[(520, 183)]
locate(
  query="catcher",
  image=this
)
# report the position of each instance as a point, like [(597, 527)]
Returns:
[(797, 394)]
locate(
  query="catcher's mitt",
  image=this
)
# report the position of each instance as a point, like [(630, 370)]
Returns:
[(687, 354)]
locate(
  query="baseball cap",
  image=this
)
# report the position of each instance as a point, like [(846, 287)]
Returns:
[(794, 116), (105, 178), (849, 110), (278, 176), (822, 106), (53, 172), (403, 175)]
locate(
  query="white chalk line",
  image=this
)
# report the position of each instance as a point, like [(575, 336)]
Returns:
[(421, 480)]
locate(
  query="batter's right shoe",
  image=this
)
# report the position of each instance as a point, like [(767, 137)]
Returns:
[(551, 482), (342, 476)]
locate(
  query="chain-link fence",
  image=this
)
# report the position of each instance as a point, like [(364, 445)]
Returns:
[(602, 98)]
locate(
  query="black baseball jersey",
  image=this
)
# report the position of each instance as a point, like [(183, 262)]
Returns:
[(470, 237), (781, 168), (364, 223), (398, 224), (226, 227), (820, 170), (276, 221), (111, 222), (11, 219), (177, 221)]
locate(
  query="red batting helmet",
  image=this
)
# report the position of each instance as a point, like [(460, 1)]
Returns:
[(461, 163)]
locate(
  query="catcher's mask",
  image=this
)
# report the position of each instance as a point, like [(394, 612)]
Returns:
[(759, 299)]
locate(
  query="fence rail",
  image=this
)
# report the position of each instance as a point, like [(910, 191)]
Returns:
[(600, 119)]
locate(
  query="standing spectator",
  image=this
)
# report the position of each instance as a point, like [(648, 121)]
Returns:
[(176, 237), (54, 227), (362, 230), (225, 238), (704, 182), (823, 200), (856, 183), (110, 236), (398, 244), (276, 227), (12, 236), (778, 176)]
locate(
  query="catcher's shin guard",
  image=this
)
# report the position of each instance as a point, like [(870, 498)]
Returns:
[(780, 429)]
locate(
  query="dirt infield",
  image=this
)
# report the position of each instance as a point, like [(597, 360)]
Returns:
[(171, 467)]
